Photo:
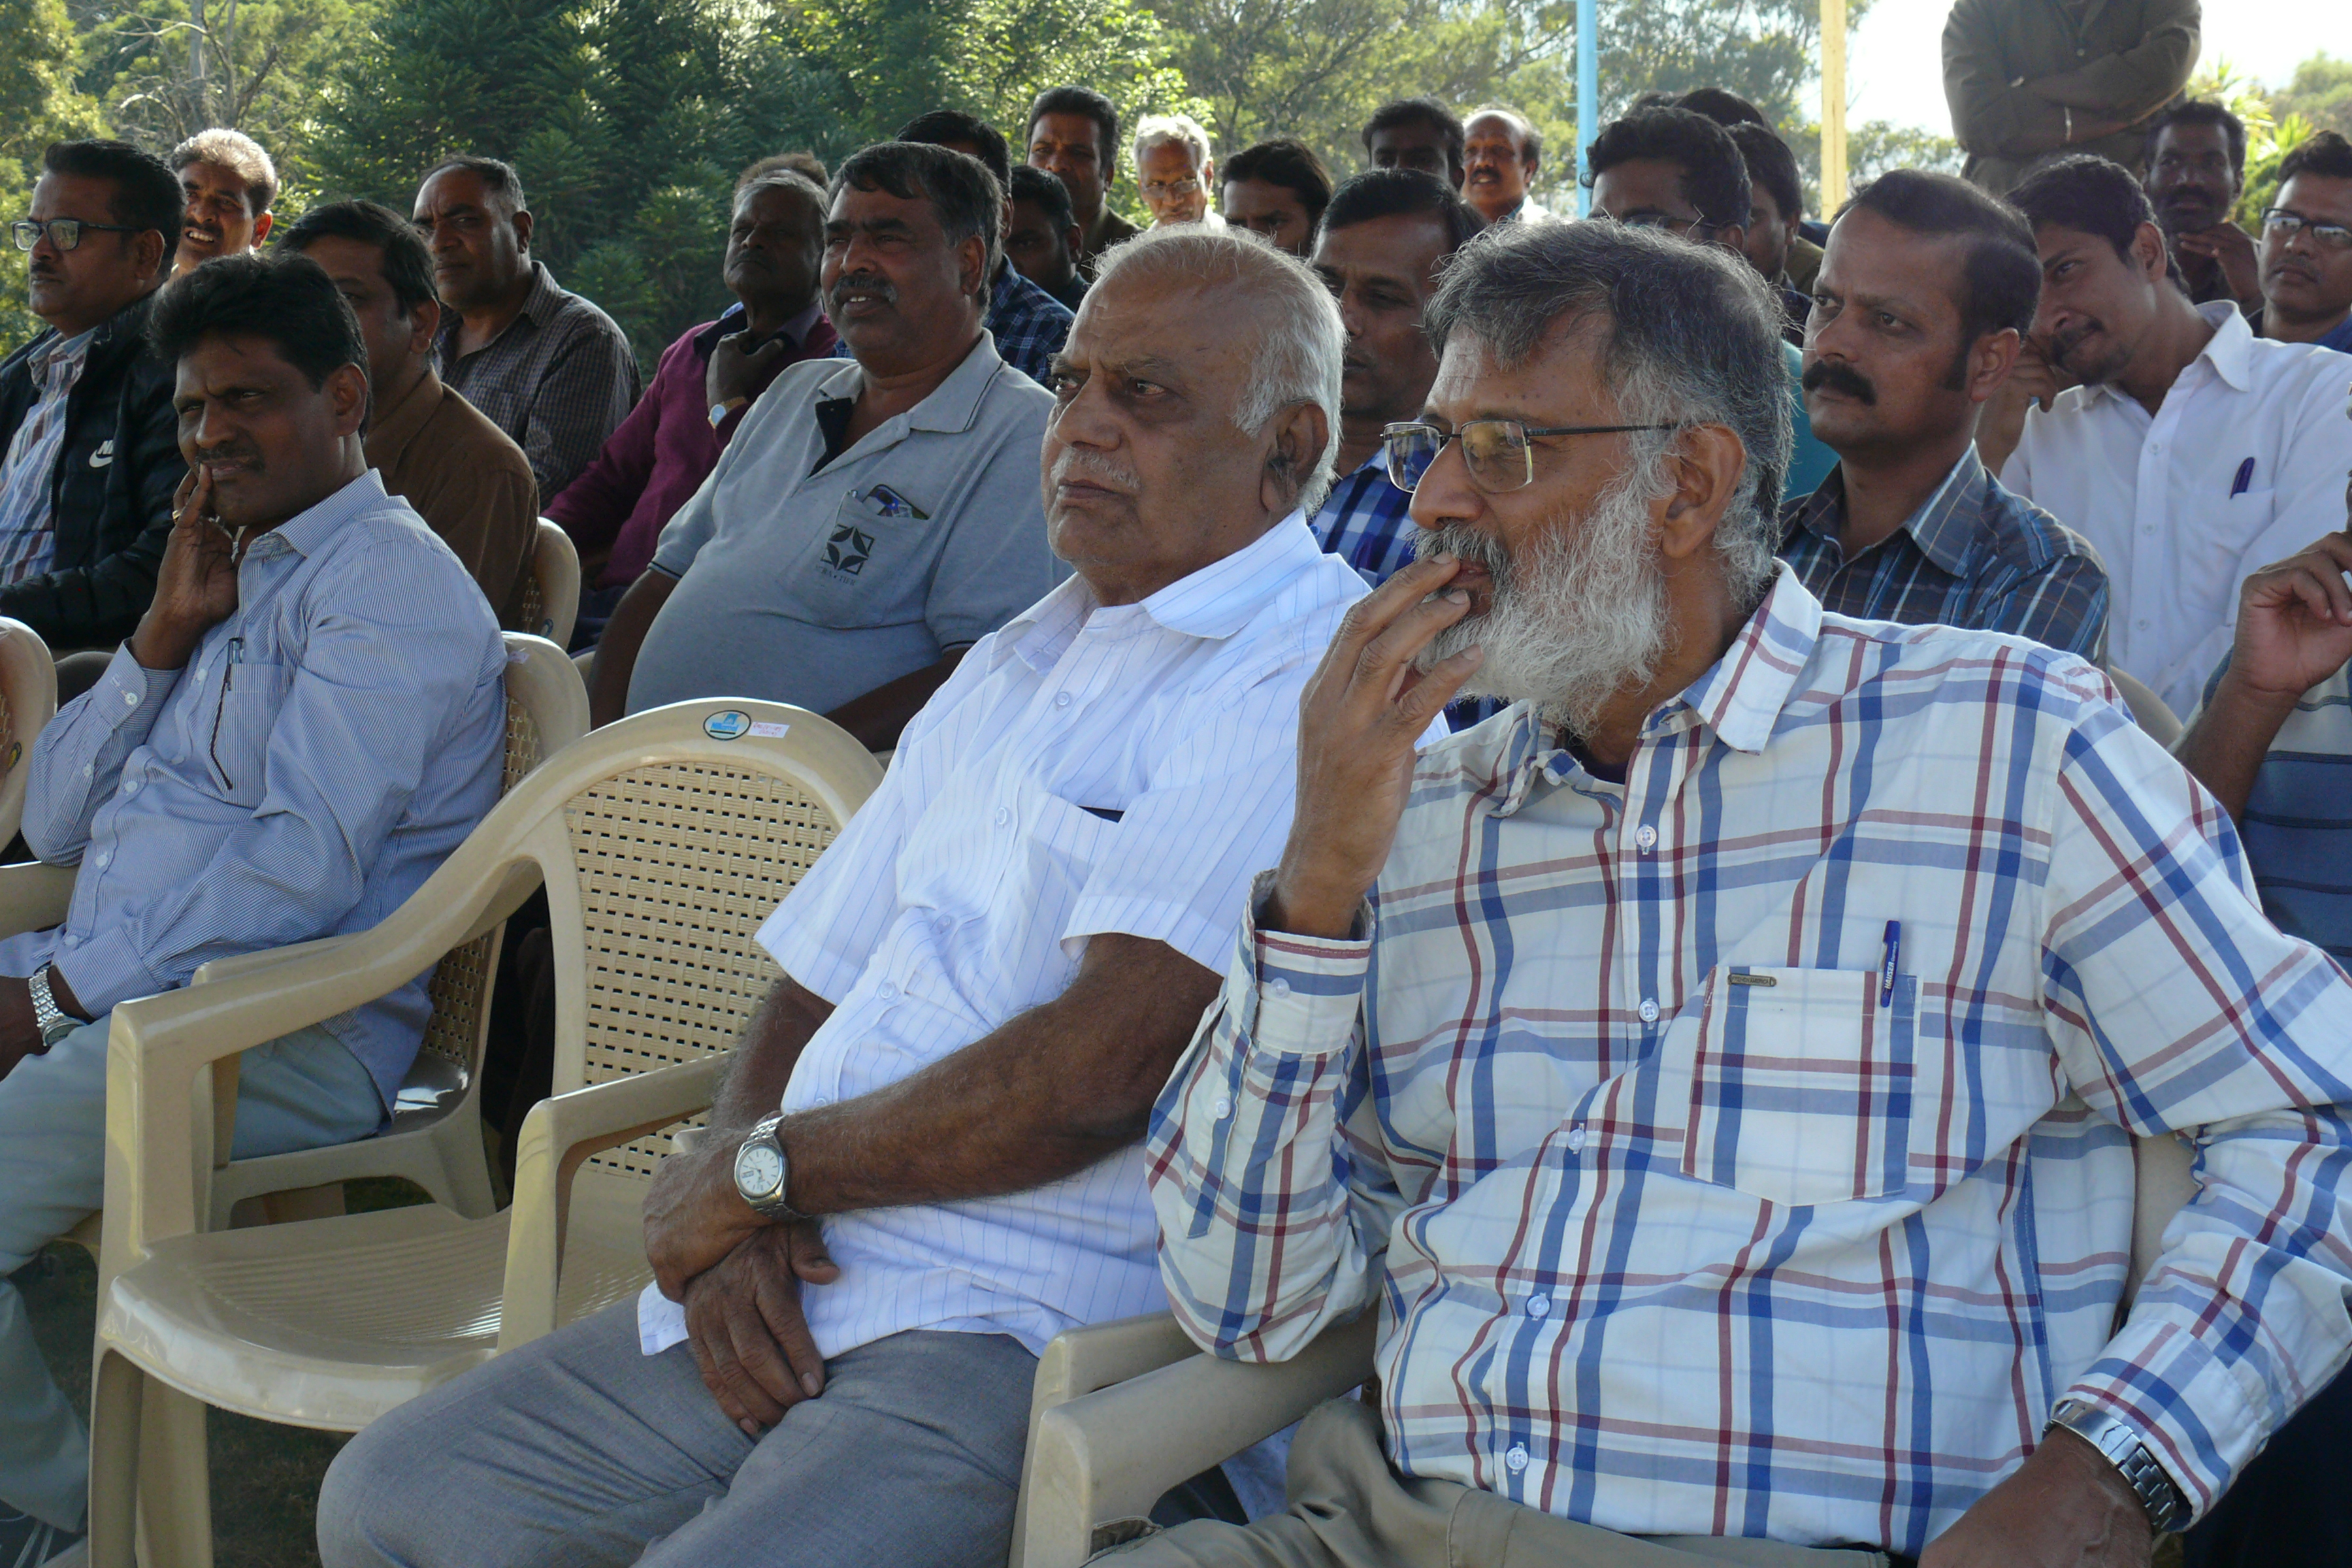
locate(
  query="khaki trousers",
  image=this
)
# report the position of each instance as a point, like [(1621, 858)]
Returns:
[(1348, 1509)]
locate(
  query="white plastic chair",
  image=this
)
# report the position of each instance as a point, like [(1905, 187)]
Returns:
[(28, 701), (663, 841), (2148, 710), (1121, 1412), (549, 601)]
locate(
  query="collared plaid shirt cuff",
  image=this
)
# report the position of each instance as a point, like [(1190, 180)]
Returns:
[(1298, 995)]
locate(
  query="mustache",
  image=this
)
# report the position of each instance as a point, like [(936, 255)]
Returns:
[(1465, 544), (1076, 462), (2063, 344), (1838, 377), (862, 283), (233, 452)]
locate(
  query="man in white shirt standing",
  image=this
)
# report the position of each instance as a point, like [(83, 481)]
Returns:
[(2191, 454), (925, 1163)]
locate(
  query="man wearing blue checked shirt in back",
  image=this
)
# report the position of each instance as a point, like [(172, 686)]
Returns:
[(1719, 1070)]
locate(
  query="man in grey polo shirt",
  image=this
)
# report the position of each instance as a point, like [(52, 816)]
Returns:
[(870, 521)]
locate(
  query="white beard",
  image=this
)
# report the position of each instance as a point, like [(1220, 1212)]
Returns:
[(1573, 621)]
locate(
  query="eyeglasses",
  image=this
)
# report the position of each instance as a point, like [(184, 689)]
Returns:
[(1684, 226), (65, 233), (1171, 187), (1500, 453), (2285, 221)]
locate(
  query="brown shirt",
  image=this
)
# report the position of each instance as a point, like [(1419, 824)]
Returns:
[(467, 478), (1108, 229), (2124, 59)]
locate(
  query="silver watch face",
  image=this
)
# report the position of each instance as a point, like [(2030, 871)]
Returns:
[(759, 1170)]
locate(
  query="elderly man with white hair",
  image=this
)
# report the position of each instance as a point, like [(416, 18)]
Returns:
[(1720, 1069), (925, 1163), (1175, 171)]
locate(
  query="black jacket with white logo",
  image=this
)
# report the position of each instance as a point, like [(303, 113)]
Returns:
[(110, 492)]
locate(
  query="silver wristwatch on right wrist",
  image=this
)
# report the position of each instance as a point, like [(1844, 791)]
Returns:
[(54, 1022), (763, 1173), (2168, 1510)]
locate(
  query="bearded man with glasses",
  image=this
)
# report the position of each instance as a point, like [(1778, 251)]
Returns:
[(1719, 1072), (92, 451)]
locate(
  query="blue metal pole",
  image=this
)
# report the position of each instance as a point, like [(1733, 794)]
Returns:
[(1588, 93)]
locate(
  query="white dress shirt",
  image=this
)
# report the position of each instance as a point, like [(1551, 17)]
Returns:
[(1084, 769), (2162, 501)]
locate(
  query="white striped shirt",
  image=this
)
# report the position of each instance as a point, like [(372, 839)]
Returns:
[(1084, 769)]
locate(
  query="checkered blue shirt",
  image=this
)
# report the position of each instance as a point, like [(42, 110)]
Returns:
[(1974, 554), (1680, 1216)]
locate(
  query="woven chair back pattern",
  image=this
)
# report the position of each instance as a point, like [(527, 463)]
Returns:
[(460, 987), (680, 865)]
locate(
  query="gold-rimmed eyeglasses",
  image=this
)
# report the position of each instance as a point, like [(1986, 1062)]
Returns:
[(1500, 453)]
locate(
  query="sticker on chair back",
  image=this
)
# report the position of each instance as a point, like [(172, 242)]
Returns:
[(728, 724)]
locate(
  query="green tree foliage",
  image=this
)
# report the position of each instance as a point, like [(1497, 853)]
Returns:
[(39, 103), (2320, 92)]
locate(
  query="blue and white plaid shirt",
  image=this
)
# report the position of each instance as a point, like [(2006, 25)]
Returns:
[(1974, 554), (1368, 522), (28, 532), (1683, 1218)]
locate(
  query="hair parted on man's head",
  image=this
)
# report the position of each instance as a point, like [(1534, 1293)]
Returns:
[(1050, 195), (946, 127), (1715, 175), (1771, 165), (1158, 129), (237, 151), (1083, 100), (1288, 163), (1686, 334), (500, 180), (1418, 112), (2003, 274), (407, 263), (2200, 111), (1298, 336), (2087, 194), (1395, 192), (146, 192), (287, 300), (1720, 104), (964, 196), (2323, 153), (807, 165)]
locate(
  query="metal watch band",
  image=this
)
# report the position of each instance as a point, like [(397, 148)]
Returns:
[(51, 1020), (772, 1205), (2168, 1510)]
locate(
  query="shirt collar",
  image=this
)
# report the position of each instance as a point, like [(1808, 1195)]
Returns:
[(2230, 350), (952, 405), (1214, 603), (50, 354), (545, 297), (1945, 526), (308, 530), (735, 318)]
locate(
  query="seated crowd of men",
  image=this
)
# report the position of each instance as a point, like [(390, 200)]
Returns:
[(1392, 692)]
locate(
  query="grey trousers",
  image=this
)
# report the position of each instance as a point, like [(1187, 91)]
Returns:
[(1349, 1509), (303, 1091), (578, 1451)]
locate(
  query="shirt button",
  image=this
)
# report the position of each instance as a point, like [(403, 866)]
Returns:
[(1225, 1108), (1538, 1306), (71, 940), (1061, 699), (132, 787), (944, 923), (1575, 1140), (105, 858), (1517, 1459), (1003, 815), (1278, 987), (1648, 1009), (1645, 837), (885, 991), (129, 700)]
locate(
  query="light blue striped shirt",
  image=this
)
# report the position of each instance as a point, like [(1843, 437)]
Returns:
[(1085, 769), (324, 749)]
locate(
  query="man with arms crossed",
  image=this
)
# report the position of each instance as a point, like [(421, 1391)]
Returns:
[(309, 718), (1725, 1096), (987, 979)]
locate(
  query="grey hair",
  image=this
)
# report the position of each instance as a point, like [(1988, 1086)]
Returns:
[(1154, 128), (791, 179), (1692, 337), (1299, 342)]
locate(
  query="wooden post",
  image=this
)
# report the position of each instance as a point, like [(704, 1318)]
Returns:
[(1833, 107)]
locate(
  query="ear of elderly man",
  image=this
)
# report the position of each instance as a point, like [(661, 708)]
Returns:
[(927, 1161)]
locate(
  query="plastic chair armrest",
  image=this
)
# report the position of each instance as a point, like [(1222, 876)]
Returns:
[(244, 963), (1108, 1454), (559, 1134), (34, 895)]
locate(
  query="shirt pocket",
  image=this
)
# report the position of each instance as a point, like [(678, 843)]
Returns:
[(859, 569), (1800, 1087), (236, 737)]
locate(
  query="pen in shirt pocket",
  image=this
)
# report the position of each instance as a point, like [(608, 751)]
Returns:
[(2245, 480), (1887, 966)]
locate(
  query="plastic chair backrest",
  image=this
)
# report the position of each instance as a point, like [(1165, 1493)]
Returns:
[(675, 861), (2148, 710), (2164, 1180), (28, 701), (547, 709), (549, 602)]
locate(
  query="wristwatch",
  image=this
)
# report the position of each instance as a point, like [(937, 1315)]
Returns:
[(2167, 1510), (54, 1022), (761, 1173), (720, 411)]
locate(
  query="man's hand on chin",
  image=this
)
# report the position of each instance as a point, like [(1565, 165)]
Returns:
[(2066, 1507)]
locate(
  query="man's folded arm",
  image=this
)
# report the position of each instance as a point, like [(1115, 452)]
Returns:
[(2176, 1006), (1275, 1203), (350, 744)]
